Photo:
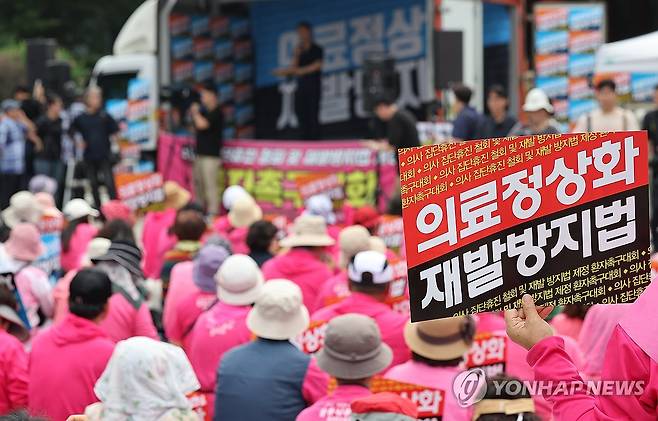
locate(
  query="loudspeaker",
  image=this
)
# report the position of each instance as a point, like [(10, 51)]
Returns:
[(448, 58), (380, 80), (58, 74), (39, 51)]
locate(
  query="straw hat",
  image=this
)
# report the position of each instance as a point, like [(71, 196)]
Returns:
[(239, 281), (308, 231), (245, 211), (353, 348), (78, 208), (536, 100), (23, 207), (443, 339), (351, 241), (279, 313), (24, 243), (175, 195)]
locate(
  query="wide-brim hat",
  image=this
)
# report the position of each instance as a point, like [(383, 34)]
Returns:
[(126, 255), (242, 298), (23, 207), (239, 281), (279, 313), (17, 327), (442, 339), (244, 212), (308, 231), (24, 242), (353, 348), (175, 195)]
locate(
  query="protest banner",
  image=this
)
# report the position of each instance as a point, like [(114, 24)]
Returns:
[(390, 230), (488, 352), (139, 190), (50, 229), (562, 217), (329, 184)]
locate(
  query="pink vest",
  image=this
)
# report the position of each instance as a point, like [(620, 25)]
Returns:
[(391, 324), (439, 378), (180, 285), (72, 258), (188, 311), (217, 331), (334, 290), (13, 374), (156, 240), (567, 326), (124, 321), (336, 406)]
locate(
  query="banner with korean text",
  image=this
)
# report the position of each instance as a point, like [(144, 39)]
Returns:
[(562, 217), (280, 175)]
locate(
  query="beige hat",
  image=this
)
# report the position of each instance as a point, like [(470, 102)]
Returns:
[(308, 231), (352, 240), (78, 208), (442, 339), (279, 313), (175, 195), (353, 348), (377, 244), (23, 207), (244, 212), (239, 280)]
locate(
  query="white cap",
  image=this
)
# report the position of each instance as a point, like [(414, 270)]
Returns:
[(77, 208), (239, 280), (370, 267), (536, 100)]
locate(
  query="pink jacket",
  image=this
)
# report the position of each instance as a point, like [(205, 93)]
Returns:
[(72, 258), (156, 240), (334, 290), (391, 324), (222, 226), (489, 322), (440, 378), (217, 331), (13, 374), (624, 360), (334, 407), (187, 312), (36, 293), (301, 267), (567, 326), (598, 325), (65, 363), (516, 366), (124, 321), (180, 285), (238, 239)]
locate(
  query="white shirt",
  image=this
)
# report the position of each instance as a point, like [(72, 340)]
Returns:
[(617, 120)]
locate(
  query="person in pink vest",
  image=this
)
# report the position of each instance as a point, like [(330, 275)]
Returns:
[(438, 348), (353, 353), (67, 359), (224, 326), (16, 256), (244, 212), (128, 314), (229, 197), (13, 358), (156, 238), (193, 303), (77, 234), (598, 326), (303, 264), (97, 247), (570, 321), (631, 354), (351, 241), (370, 275)]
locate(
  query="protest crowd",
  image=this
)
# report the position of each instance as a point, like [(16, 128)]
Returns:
[(203, 307)]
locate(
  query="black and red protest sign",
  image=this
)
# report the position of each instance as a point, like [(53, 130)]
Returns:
[(562, 217)]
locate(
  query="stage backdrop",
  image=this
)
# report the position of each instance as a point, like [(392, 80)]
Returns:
[(269, 170), (348, 31)]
